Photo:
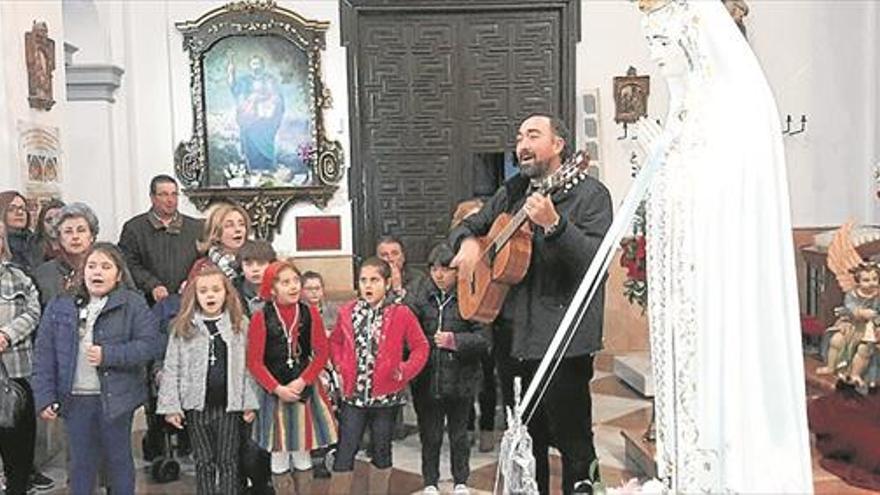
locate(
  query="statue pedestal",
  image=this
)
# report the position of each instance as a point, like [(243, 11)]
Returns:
[(634, 369), (639, 454)]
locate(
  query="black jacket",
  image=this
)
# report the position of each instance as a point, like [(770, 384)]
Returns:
[(159, 255), (536, 305), (54, 278), (26, 252), (448, 374)]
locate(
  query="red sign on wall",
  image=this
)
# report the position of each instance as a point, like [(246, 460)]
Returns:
[(318, 233)]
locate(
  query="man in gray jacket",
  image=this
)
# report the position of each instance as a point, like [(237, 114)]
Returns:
[(160, 245), (567, 230)]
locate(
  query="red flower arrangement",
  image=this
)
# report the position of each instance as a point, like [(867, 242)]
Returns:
[(634, 258)]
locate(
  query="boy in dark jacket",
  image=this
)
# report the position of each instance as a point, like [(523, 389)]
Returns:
[(446, 387)]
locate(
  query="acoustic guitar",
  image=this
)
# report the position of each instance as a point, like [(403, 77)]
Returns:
[(506, 250)]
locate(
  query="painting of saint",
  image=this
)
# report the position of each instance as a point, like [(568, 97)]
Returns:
[(258, 111)]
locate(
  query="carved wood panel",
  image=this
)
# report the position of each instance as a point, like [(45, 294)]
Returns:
[(408, 100), (511, 64), (431, 88)]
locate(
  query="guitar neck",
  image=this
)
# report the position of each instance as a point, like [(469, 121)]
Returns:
[(569, 171), (504, 236)]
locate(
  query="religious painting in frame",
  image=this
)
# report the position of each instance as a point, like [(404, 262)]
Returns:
[(258, 101), (631, 97), (40, 155)]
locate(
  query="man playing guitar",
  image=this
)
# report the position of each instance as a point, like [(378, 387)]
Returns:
[(568, 227)]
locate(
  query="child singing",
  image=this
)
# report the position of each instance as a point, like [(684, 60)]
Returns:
[(92, 352), (368, 351), (287, 350), (205, 381)]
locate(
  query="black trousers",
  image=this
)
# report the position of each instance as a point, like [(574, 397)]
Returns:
[(507, 366), (17, 445), (254, 463), (564, 419), (216, 439), (432, 414), (353, 421), (488, 396)]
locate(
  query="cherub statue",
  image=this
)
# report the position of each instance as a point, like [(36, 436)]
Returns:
[(851, 340)]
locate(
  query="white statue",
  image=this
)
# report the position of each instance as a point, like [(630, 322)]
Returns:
[(722, 303)]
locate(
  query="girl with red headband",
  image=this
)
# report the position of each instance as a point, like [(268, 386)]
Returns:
[(287, 349)]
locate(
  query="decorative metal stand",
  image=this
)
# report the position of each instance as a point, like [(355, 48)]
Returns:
[(517, 463)]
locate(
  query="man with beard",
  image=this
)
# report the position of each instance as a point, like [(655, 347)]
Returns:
[(567, 230)]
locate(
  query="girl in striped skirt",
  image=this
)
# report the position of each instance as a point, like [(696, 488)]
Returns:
[(204, 379), (287, 350)]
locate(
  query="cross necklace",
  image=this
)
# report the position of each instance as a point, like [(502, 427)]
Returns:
[(211, 335), (288, 333)]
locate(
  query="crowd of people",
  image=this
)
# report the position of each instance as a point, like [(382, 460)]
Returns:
[(260, 373)]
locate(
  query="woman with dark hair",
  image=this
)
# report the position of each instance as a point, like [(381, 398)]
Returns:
[(76, 228), (14, 213), (19, 315), (90, 369), (45, 236)]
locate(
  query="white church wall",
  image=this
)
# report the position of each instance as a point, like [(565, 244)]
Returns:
[(874, 131), (100, 147), (17, 18), (820, 58)]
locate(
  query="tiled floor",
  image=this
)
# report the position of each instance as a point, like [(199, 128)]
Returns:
[(615, 407)]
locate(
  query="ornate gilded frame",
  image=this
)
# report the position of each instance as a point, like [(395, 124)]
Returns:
[(265, 204)]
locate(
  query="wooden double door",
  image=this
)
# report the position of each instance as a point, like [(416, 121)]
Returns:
[(437, 91)]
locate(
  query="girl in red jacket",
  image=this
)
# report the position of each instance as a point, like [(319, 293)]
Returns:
[(367, 350), (287, 349)]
